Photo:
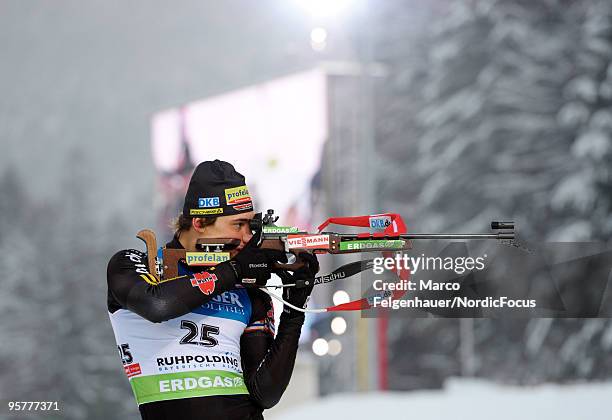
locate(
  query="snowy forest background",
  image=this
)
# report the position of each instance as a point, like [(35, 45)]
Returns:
[(488, 108), (494, 109)]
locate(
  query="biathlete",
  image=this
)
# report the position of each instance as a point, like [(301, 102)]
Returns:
[(204, 346)]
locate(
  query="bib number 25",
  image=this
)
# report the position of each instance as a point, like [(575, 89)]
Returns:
[(205, 333)]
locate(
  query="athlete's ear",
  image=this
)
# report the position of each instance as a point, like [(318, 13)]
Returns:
[(198, 224)]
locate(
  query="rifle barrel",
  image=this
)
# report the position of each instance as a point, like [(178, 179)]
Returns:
[(500, 235)]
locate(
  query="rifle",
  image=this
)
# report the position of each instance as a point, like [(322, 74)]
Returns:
[(391, 237)]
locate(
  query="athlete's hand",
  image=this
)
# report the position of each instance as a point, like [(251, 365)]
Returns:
[(304, 280), (254, 265)]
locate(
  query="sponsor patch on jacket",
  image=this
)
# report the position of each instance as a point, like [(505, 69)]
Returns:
[(132, 370), (204, 281)]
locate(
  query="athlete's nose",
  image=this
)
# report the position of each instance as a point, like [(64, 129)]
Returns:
[(246, 235)]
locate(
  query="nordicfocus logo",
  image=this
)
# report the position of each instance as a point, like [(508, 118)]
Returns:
[(310, 241), (261, 265), (200, 359)]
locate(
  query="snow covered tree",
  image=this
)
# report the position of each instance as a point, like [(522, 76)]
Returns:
[(58, 344), (583, 197), (501, 109)]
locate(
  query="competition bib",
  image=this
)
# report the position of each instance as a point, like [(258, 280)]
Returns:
[(194, 355)]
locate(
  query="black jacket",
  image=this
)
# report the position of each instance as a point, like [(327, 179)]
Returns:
[(267, 361)]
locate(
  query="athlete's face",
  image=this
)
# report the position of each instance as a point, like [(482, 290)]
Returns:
[(231, 227)]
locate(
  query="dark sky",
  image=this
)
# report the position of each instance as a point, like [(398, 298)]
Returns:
[(91, 74)]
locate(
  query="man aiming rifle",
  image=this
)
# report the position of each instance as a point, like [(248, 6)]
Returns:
[(203, 345)]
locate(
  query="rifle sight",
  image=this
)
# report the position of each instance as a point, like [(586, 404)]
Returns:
[(502, 225)]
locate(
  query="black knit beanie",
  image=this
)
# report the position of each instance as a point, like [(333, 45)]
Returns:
[(216, 189)]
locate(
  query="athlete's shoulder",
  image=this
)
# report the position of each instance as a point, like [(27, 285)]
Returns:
[(128, 265), (126, 268), (129, 258)]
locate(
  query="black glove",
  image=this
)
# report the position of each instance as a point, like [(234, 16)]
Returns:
[(256, 263), (304, 279)]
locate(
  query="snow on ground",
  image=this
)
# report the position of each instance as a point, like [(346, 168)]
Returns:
[(464, 399)]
